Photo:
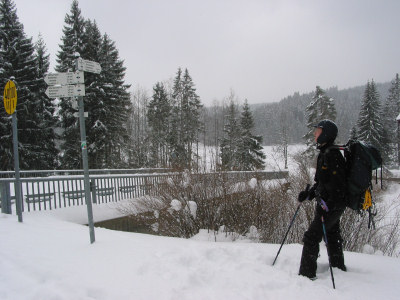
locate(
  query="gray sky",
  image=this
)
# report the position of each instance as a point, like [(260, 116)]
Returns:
[(262, 49)]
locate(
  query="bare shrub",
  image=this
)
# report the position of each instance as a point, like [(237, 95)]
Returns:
[(383, 235)]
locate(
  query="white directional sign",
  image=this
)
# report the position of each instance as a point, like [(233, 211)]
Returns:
[(65, 91), (88, 66), (64, 78)]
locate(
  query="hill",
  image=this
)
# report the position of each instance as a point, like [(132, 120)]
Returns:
[(289, 113)]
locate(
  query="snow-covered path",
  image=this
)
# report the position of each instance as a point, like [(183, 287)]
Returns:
[(48, 258)]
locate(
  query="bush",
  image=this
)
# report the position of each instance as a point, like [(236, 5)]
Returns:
[(217, 201)]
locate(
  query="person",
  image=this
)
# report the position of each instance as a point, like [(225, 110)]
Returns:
[(329, 189)]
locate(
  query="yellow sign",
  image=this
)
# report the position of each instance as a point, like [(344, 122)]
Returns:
[(10, 97)]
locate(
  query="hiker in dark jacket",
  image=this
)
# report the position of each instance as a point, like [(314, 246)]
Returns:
[(330, 187)]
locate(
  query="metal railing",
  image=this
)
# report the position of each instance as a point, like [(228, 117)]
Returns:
[(47, 173), (42, 193)]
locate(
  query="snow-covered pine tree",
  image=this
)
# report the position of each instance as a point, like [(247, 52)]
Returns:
[(72, 43), (158, 113), (231, 140), (185, 120), (175, 137), (45, 111), (107, 100), (18, 61), (250, 154), (191, 109), (118, 104), (391, 110), (94, 101), (370, 127), (320, 108)]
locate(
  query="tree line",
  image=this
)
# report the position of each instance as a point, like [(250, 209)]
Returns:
[(132, 129), (124, 129), (377, 123)]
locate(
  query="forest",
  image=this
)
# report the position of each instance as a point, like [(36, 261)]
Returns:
[(130, 127)]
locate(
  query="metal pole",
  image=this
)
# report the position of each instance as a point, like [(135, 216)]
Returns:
[(86, 169), (327, 249), (290, 226), (18, 200)]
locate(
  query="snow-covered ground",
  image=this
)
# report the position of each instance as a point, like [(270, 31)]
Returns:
[(49, 257)]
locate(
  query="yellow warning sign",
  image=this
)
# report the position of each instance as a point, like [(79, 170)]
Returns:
[(10, 97)]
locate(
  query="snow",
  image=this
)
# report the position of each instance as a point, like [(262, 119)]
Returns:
[(49, 257), (46, 257)]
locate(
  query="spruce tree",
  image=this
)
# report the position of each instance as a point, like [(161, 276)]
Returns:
[(185, 120), (250, 154), (72, 43), (107, 100), (320, 108), (45, 111), (370, 127), (231, 140), (159, 109), (117, 105), (391, 110), (18, 62), (178, 157)]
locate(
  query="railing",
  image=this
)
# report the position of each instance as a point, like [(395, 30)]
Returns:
[(47, 173), (42, 193)]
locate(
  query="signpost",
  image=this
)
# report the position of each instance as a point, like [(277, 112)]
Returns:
[(64, 78), (65, 91), (10, 104), (10, 97), (71, 84), (88, 66)]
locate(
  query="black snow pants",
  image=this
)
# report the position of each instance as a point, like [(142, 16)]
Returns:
[(313, 236)]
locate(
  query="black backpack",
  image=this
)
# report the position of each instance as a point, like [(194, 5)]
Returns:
[(361, 159)]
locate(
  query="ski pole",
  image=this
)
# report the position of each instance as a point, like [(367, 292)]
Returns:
[(290, 226), (325, 207), (284, 239)]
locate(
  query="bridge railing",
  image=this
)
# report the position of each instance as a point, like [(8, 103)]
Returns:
[(43, 193)]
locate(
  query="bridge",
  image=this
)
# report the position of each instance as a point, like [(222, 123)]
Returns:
[(52, 189)]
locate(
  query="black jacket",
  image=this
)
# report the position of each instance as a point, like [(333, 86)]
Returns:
[(330, 177)]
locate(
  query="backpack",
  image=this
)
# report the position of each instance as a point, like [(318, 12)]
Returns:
[(361, 159)]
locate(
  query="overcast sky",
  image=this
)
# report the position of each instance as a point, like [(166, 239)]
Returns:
[(264, 50)]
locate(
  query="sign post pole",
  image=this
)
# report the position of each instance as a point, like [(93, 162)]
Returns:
[(18, 200), (10, 104), (86, 169), (71, 84)]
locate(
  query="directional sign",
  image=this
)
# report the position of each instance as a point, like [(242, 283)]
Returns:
[(65, 91), (88, 66), (10, 97), (64, 78)]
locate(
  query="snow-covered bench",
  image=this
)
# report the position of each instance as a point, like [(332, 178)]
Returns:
[(36, 198)]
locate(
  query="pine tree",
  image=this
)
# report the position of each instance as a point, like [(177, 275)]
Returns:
[(391, 110), (370, 127), (321, 107), (158, 114), (45, 111), (107, 100), (18, 61), (231, 140), (72, 44), (117, 105), (185, 120), (250, 154), (191, 109)]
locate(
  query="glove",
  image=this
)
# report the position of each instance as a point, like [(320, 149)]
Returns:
[(303, 195)]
